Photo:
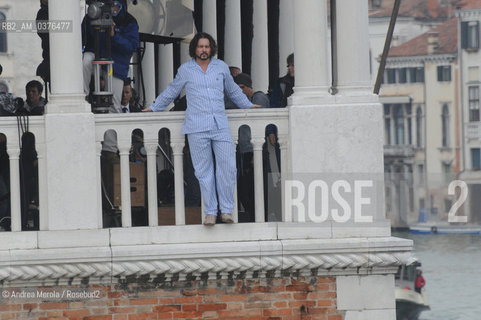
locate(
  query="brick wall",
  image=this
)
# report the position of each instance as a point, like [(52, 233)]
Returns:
[(258, 298)]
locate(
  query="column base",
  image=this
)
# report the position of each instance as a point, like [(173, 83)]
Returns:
[(310, 96), (67, 103), (355, 94)]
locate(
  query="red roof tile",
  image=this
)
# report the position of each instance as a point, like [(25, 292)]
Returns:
[(469, 4), (419, 9), (447, 41)]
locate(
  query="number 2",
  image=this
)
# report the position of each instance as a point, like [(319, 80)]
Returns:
[(452, 217)]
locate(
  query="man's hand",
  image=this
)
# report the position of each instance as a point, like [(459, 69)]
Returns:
[(112, 30), (147, 109), (255, 106)]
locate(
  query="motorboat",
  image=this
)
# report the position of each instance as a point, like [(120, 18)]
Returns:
[(409, 302), (444, 228)]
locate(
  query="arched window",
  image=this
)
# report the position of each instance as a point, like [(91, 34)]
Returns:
[(3, 35), (445, 126), (3, 88), (419, 127), (399, 124)]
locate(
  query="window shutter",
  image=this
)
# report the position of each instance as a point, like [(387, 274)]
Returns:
[(464, 35), (476, 28), (440, 73)]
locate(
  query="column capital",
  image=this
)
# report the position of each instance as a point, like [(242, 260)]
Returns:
[(257, 143), (124, 149), (177, 146), (13, 152), (150, 146)]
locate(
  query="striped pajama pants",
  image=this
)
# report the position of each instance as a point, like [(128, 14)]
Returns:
[(223, 180)]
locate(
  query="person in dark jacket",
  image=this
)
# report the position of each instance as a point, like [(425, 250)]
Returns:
[(272, 175), (35, 103), (124, 37), (43, 69), (284, 87)]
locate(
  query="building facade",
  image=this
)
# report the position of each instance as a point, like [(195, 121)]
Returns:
[(339, 266), (469, 17)]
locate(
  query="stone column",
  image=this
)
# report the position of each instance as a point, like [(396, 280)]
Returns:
[(232, 38), (354, 77), (42, 193), (286, 33), (283, 145), (15, 208), (260, 51), (69, 131), (258, 179), (178, 150), (148, 71), (311, 58), (166, 67), (235, 213), (209, 17), (98, 148), (124, 151), (66, 56), (151, 148)]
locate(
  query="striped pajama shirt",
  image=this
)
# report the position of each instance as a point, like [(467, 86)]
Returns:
[(207, 128)]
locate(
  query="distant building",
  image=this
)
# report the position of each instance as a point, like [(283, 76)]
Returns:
[(470, 79), (415, 17), (422, 133), (20, 52)]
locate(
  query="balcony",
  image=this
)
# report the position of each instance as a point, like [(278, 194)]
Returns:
[(472, 131), (399, 151), (71, 243)]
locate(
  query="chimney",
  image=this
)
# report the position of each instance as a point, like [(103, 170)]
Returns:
[(433, 42)]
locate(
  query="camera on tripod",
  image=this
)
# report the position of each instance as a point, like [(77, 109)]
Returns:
[(100, 13)]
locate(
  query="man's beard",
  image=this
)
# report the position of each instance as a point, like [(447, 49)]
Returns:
[(203, 56)]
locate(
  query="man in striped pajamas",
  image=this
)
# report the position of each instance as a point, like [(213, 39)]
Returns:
[(205, 80)]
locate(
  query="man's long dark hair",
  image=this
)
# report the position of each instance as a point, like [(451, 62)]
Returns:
[(195, 40)]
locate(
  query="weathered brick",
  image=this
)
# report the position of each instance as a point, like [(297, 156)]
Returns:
[(189, 292), (257, 304), (212, 306), (321, 295), (323, 287), (241, 313), (121, 309), (168, 308), (187, 300), (300, 287), (189, 307), (234, 297), (210, 291), (76, 313), (187, 315), (53, 305), (108, 317), (75, 305), (324, 303), (297, 304), (30, 306), (11, 307), (280, 304), (164, 315), (142, 316), (143, 301), (210, 315), (277, 312)]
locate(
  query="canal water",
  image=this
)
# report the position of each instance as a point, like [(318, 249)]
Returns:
[(452, 268)]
